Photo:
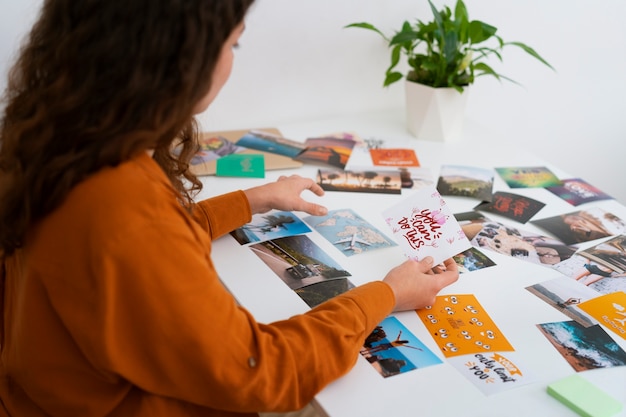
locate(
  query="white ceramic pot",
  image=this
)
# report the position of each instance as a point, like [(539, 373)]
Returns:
[(435, 113)]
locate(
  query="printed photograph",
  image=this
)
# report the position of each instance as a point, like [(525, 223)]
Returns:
[(565, 295), (319, 292), (298, 261), (584, 348), (213, 148), (521, 244), (416, 178), (512, 206), (472, 260), (270, 225), (268, 142), (392, 349), (369, 181), (349, 232), (528, 177), (466, 181), (333, 151), (610, 253), (577, 191), (583, 225), (471, 222), (593, 275)]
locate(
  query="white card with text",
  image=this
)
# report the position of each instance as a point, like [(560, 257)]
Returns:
[(423, 225)]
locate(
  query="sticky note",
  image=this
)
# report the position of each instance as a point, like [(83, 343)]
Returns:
[(584, 397), (241, 165)]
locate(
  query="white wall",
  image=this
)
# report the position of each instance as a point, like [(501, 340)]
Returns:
[(297, 63)]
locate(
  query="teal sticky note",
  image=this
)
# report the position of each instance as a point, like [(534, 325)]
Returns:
[(584, 397), (241, 165)]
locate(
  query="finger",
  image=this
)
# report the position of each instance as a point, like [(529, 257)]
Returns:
[(313, 209), (316, 189), (451, 265), (426, 264)]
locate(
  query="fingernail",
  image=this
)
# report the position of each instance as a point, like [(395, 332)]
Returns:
[(429, 259)]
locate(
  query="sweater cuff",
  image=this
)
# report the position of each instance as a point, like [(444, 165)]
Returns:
[(376, 299)]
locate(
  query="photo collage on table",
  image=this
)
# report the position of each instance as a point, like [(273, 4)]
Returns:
[(352, 164), (592, 288)]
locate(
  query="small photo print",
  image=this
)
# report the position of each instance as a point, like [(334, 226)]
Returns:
[(213, 148), (349, 232), (583, 225), (298, 261), (596, 276), (565, 295), (584, 348), (528, 177), (270, 225), (466, 181), (375, 181), (472, 260), (513, 206), (610, 253), (521, 244), (392, 349), (471, 222), (577, 191), (328, 150), (268, 142), (319, 292)]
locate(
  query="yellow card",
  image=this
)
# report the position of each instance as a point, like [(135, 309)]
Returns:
[(460, 326), (610, 310)]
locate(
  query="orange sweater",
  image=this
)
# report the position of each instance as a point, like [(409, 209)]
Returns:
[(114, 308)]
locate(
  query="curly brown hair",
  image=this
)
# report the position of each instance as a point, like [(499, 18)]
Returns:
[(97, 82)]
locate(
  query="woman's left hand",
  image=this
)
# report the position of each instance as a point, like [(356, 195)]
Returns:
[(285, 194)]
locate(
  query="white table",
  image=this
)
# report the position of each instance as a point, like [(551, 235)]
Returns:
[(436, 390)]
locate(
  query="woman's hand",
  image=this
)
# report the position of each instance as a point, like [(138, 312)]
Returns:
[(285, 194), (415, 284)]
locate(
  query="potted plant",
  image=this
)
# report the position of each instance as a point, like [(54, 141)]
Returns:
[(445, 56)]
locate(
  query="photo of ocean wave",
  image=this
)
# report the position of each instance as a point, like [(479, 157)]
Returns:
[(584, 347)]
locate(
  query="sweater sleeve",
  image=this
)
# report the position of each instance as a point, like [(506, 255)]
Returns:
[(164, 322), (222, 214)]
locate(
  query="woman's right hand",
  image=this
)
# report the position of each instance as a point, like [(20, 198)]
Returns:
[(415, 284)]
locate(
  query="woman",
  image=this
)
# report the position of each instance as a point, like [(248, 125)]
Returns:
[(112, 305)]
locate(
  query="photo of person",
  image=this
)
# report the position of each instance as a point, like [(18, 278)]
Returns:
[(594, 272), (522, 244), (582, 226)]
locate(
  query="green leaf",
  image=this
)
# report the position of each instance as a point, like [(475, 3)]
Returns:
[(391, 78), (364, 25), (485, 69), (531, 51), (460, 13), (436, 15), (450, 45), (480, 31), (395, 57)]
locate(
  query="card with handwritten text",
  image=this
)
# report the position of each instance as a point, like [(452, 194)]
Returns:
[(494, 372), (423, 225)]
